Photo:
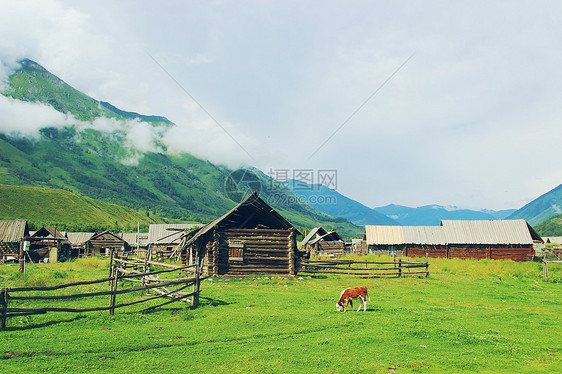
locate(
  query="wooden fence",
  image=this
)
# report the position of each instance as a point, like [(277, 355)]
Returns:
[(545, 263), (365, 269), (120, 269)]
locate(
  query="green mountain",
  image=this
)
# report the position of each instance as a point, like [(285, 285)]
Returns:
[(104, 166), (67, 211), (542, 208), (550, 227), (33, 83)]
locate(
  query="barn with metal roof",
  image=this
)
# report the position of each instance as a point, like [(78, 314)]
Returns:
[(480, 239)]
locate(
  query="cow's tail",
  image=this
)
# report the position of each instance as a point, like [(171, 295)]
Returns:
[(367, 295)]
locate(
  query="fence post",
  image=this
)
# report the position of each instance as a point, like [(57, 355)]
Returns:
[(113, 290), (545, 270), (3, 306), (195, 299), (399, 267), (21, 258), (111, 265)]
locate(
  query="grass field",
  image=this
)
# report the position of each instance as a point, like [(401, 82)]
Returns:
[(468, 316)]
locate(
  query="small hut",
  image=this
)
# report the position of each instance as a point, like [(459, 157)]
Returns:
[(319, 241), (78, 242), (251, 238), (48, 245), (12, 235), (164, 238), (88, 244)]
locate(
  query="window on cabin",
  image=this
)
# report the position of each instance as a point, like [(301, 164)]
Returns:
[(235, 251)]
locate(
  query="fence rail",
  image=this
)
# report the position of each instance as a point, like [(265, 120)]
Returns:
[(365, 269), (118, 272)]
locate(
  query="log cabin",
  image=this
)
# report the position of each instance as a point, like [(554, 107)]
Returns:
[(252, 238)]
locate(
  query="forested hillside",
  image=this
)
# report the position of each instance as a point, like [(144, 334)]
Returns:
[(105, 165)]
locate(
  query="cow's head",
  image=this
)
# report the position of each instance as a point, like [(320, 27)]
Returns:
[(339, 306)]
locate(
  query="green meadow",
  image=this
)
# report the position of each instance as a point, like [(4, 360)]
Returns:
[(467, 316)]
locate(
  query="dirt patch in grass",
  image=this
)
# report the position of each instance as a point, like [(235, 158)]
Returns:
[(9, 355)]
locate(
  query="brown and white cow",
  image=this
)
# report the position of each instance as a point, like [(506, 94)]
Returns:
[(349, 294)]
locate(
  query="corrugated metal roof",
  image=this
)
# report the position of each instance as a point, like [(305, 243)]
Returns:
[(131, 237), (453, 232), (428, 235), (168, 233), (384, 235), (13, 230), (79, 237), (487, 231), (553, 239)]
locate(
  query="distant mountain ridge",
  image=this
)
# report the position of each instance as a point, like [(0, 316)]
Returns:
[(336, 204), (432, 215), (542, 208)]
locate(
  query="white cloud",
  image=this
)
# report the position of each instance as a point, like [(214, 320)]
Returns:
[(23, 118), (471, 120)]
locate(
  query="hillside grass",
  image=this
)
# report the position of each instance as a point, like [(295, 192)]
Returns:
[(66, 210), (468, 316)]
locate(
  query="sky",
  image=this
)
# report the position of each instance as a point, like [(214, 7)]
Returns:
[(410, 102)]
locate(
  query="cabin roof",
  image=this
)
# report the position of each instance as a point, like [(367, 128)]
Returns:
[(107, 236), (134, 238), (553, 239), (515, 231), (384, 235), (331, 236), (168, 233), (493, 232), (427, 235), (79, 237), (253, 212), (49, 233), (314, 233), (13, 230)]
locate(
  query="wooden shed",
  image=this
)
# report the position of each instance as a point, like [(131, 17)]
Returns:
[(78, 243), (477, 239), (12, 235), (101, 243), (492, 239), (164, 238), (48, 245), (251, 238), (321, 242)]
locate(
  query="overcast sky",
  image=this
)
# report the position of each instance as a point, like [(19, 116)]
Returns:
[(450, 103)]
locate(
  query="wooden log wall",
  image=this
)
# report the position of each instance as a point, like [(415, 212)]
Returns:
[(434, 251), (515, 253), (265, 251)]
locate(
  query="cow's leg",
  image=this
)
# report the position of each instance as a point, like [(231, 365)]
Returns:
[(346, 304), (362, 301), (364, 304)]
